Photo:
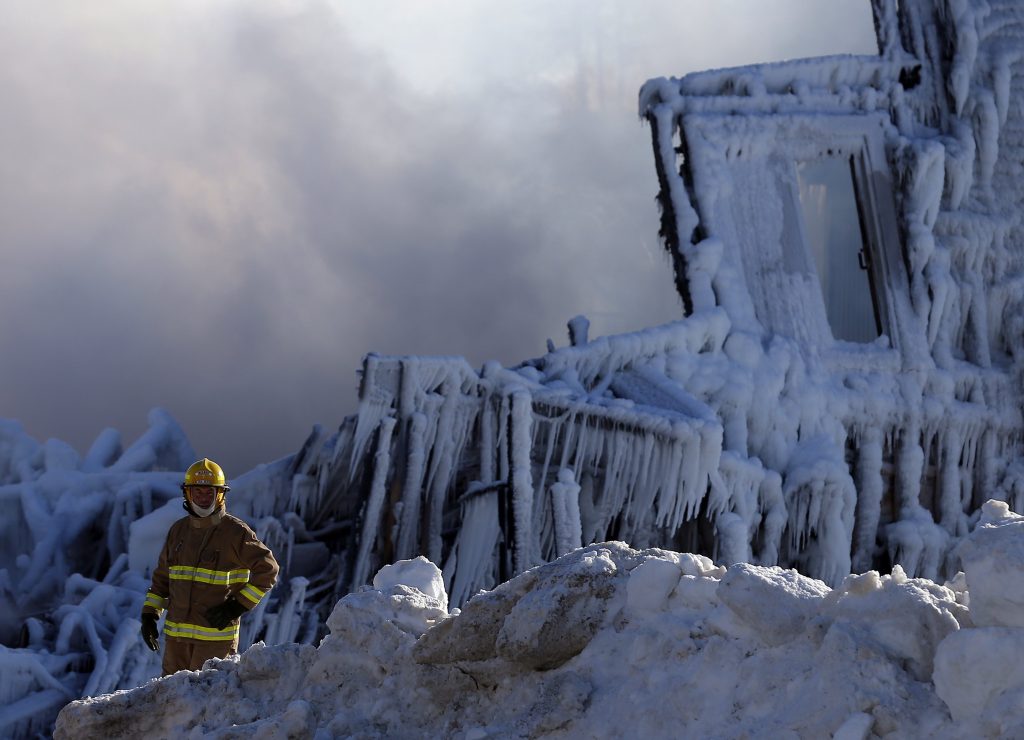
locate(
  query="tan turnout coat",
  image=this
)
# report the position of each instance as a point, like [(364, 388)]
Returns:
[(204, 560)]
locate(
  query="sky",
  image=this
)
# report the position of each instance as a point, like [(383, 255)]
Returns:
[(220, 207)]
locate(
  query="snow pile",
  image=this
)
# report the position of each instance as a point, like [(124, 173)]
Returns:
[(608, 641), (979, 673)]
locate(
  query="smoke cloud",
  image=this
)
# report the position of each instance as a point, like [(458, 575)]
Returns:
[(220, 208)]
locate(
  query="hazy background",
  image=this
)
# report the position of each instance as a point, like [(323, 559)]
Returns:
[(219, 206)]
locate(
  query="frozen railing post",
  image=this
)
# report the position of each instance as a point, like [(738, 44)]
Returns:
[(579, 327)]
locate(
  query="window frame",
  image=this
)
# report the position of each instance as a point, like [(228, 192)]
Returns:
[(716, 142)]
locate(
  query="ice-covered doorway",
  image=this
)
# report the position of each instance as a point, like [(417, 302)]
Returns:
[(832, 232)]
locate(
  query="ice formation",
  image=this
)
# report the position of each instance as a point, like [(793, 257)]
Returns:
[(78, 542), (609, 641), (771, 426), (774, 424)]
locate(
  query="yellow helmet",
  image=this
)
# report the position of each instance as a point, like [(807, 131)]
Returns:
[(206, 472)]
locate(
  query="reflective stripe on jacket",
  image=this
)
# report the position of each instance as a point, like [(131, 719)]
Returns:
[(197, 632), (203, 561)]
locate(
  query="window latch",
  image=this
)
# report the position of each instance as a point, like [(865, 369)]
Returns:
[(863, 260)]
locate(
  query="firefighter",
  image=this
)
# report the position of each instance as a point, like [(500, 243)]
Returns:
[(212, 569)]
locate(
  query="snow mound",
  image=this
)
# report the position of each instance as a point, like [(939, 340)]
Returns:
[(610, 641), (993, 562), (979, 673)]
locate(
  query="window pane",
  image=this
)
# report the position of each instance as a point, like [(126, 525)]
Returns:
[(832, 227)]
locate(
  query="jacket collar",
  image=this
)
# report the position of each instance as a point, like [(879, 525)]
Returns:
[(202, 522)]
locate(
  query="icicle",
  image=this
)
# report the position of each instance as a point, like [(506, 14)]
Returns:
[(289, 614), (612, 464), (650, 478), (909, 468), (412, 490), (871, 487), (917, 544), (821, 500), (522, 478), (960, 154), (441, 475), (374, 403), (1002, 74), (552, 427), (732, 506), (948, 485), (965, 54), (692, 479), (887, 28), (670, 504), (937, 275), (471, 560), (774, 515), (565, 498), (987, 477), (375, 502), (986, 132), (487, 441)]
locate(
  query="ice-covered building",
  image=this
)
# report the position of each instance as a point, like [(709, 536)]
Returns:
[(843, 393), (845, 389)]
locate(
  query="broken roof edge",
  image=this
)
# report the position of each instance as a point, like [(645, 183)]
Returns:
[(799, 77), (703, 331)]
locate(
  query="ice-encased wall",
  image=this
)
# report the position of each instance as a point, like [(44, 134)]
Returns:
[(744, 431), (927, 421)]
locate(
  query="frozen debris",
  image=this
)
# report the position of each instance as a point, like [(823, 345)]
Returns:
[(756, 429), (77, 545), (770, 426), (754, 651)]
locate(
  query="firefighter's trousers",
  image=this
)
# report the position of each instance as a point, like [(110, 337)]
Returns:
[(180, 655)]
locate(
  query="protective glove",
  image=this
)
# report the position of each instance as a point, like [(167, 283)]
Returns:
[(150, 634), (222, 615)]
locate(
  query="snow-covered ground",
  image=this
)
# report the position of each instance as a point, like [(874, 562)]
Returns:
[(608, 641)]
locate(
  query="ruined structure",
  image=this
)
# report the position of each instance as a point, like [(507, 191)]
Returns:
[(843, 393), (845, 389)]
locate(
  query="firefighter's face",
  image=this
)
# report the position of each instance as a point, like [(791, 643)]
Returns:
[(202, 496)]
